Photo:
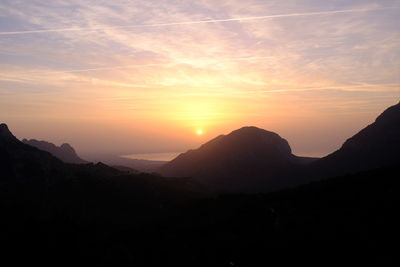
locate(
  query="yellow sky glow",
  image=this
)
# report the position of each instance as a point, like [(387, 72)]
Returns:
[(310, 72)]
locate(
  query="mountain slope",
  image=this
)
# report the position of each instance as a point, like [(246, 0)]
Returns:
[(252, 159), (65, 152), (376, 145), (102, 218), (246, 159), (19, 161)]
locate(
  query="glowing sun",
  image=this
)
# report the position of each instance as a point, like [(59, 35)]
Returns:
[(199, 132)]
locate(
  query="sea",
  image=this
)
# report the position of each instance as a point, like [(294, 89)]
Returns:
[(153, 156)]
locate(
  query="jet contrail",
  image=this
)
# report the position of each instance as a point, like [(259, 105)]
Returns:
[(197, 21)]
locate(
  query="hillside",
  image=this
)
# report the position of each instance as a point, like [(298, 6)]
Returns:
[(248, 159), (54, 212), (65, 152), (376, 145), (255, 160), (19, 161)]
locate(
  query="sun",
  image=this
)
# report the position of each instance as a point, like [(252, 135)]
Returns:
[(199, 132)]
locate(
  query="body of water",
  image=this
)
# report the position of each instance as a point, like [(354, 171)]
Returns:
[(153, 156)]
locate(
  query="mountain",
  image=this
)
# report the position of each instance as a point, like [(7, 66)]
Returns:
[(65, 152), (99, 216), (7, 139), (376, 145), (19, 161), (247, 159), (251, 159)]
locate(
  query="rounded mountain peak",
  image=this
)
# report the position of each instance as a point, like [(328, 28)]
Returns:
[(249, 131), (250, 140), (260, 138), (247, 152)]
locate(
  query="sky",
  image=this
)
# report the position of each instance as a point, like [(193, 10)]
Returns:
[(141, 76)]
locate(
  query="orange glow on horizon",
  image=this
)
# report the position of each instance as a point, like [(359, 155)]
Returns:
[(172, 86)]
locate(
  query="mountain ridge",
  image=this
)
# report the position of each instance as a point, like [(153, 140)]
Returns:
[(6, 135), (249, 153), (274, 166), (19, 161), (375, 145), (65, 152)]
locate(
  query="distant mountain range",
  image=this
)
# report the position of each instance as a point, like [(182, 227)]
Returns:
[(246, 160), (65, 152), (19, 161), (40, 161), (253, 159), (56, 212)]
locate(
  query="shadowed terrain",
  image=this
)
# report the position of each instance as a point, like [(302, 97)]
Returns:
[(376, 145), (114, 91), (255, 160), (248, 159), (54, 213)]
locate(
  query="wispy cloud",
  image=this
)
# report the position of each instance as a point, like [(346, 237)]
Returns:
[(220, 60), (242, 19), (232, 62)]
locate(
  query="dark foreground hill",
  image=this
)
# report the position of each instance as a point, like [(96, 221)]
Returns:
[(94, 215), (65, 152), (100, 222), (248, 159)]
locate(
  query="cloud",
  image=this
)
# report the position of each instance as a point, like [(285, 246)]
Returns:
[(242, 19), (135, 60)]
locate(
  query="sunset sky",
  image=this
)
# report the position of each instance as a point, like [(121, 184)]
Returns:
[(145, 76)]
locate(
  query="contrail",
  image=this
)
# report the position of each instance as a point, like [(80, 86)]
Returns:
[(75, 29)]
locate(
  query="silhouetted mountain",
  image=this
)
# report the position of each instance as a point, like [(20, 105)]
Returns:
[(6, 137), (19, 161), (246, 159), (65, 152), (98, 216), (23, 162), (252, 159), (374, 146)]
